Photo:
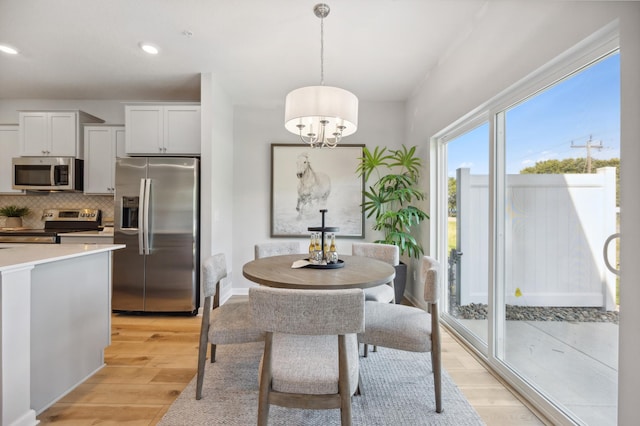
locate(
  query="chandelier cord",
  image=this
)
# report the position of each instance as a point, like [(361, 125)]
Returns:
[(322, 51)]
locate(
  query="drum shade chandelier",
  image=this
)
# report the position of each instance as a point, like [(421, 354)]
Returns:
[(321, 115)]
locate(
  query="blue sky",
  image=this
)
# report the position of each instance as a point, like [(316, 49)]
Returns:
[(582, 107)]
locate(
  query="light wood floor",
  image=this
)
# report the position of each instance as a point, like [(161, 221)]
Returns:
[(152, 358)]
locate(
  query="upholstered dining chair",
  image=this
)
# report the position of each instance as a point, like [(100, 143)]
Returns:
[(387, 253), (409, 328), (226, 324), (277, 248), (295, 321), (385, 293)]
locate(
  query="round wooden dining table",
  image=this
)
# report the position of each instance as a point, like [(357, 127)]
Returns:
[(358, 272)]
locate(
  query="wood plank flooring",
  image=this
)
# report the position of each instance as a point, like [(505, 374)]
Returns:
[(152, 358)]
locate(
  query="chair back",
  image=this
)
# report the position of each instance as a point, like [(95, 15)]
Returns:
[(276, 249), (214, 269), (385, 252), (429, 272), (307, 312)]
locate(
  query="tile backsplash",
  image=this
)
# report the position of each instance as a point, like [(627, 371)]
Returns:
[(56, 200)]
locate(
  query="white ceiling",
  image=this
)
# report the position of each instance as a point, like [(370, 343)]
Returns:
[(259, 50)]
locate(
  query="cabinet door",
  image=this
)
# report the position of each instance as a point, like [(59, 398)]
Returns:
[(9, 148), (63, 134), (99, 163), (34, 134), (182, 129), (121, 150), (144, 129)]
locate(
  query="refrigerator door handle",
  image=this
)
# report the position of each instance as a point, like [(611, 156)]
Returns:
[(141, 219), (147, 196)]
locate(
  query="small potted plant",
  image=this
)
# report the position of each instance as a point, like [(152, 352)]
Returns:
[(390, 199), (14, 215)]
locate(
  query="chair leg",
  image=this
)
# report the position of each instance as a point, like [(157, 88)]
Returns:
[(366, 350), (375, 348), (437, 379), (344, 388), (436, 358), (213, 353), (359, 389), (265, 382), (202, 357)]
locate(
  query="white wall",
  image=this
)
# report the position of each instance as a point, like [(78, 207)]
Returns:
[(217, 216), (254, 131), (629, 347), (474, 73)]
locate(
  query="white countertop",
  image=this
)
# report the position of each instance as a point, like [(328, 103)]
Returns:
[(20, 255)]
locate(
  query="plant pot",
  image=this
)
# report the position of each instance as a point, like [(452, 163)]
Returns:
[(400, 281), (13, 222)]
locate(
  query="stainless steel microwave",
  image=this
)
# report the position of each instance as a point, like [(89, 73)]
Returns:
[(47, 173)]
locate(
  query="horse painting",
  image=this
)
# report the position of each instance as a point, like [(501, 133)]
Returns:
[(313, 187)]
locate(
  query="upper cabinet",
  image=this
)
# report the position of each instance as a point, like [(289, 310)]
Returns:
[(53, 133), (102, 144), (162, 129), (9, 148)]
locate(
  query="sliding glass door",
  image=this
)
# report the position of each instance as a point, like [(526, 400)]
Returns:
[(466, 232), (558, 311), (531, 224)]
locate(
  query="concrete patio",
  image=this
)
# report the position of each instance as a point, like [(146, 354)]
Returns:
[(573, 364)]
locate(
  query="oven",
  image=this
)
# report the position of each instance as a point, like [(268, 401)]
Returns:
[(56, 222)]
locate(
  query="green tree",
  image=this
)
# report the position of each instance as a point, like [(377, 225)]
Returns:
[(391, 196), (575, 165), (452, 192)]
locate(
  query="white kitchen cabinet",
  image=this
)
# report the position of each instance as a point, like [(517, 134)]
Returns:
[(162, 129), (9, 148), (100, 150), (53, 133)]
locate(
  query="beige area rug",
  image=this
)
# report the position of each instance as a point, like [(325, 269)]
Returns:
[(398, 390)]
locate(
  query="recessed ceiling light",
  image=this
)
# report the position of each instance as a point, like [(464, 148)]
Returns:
[(8, 49), (149, 48)]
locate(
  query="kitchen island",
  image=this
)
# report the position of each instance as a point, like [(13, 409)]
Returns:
[(55, 306)]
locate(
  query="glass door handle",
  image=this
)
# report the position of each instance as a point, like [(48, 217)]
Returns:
[(605, 253)]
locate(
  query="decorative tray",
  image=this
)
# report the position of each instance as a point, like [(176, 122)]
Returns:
[(323, 229), (340, 264)]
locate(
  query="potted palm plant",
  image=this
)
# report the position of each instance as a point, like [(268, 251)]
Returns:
[(14, 215), (390, 200)]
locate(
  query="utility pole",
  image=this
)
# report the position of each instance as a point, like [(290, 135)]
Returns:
[(588, 145)]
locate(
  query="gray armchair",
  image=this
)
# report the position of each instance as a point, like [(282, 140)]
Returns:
[(277, 248), (310, 358), (409, 328), (226, 324), (385, 293)]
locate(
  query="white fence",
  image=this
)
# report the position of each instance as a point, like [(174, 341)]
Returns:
[(555, 229)]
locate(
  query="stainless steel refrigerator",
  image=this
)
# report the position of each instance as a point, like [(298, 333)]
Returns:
[(156, 215)]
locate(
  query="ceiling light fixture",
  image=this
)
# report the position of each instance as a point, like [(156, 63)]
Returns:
[(321, 115), (149, 48), (8, 49)]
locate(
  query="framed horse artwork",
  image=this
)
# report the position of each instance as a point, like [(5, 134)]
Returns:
[(306, 180)]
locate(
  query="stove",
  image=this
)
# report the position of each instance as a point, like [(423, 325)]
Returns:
[(56, 222)]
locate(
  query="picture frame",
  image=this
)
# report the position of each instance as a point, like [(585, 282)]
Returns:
[(328, 180)]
